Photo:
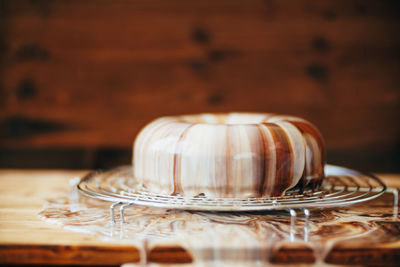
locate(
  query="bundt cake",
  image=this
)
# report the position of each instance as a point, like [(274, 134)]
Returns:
[(228, 155)]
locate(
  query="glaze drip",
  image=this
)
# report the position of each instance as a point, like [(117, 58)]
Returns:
[(245, 237)]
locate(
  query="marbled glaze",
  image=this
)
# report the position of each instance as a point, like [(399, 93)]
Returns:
[(228, 155)]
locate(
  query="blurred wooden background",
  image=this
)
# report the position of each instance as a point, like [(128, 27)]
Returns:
[(78, 79)]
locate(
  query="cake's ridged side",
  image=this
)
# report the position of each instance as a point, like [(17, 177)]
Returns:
[(265, 158), (270, 161), (315, 156), (264, 155), (141, 144), (177, 171), (297, 145), (155, 150), (315, 153), (228, 160), (284, 159), (203, 168)]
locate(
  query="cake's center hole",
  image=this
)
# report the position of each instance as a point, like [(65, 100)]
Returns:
[(226, 118)]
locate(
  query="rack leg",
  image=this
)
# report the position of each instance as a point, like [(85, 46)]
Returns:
[(306, 223), (293, 216), (112, 213), (73, 190), (122, 211)]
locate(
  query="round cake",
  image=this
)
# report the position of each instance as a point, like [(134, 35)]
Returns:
[(229, 155)]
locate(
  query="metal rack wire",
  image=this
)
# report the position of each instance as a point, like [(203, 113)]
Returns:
[(342, 186)]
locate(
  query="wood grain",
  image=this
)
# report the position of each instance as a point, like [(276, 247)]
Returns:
[(25, 239), (66, 254), (90, 74)]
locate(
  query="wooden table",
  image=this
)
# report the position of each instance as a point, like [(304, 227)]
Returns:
[(26, 239)]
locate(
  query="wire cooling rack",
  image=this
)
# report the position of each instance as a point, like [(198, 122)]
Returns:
[(342, 186)]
